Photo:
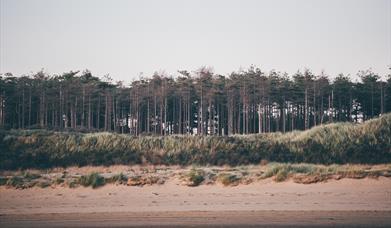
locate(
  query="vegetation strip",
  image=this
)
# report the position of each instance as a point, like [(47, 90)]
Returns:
[(191, 176), (369, 142)]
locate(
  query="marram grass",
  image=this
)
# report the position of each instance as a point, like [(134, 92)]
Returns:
[(339, 143), (191, 176)]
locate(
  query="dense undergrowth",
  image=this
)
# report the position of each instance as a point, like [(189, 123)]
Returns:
[(339, 143)]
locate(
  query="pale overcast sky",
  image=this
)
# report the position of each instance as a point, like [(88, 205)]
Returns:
[(124, 38)]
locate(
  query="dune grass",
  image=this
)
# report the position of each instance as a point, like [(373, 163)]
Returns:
[(118, 178), (228, 179), (194, 177), (339, 143), (301, 173), (94, 180)]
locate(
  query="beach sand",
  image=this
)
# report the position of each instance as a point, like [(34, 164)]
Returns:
[(346, 202)]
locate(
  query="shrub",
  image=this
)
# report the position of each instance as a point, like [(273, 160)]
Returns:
[(228, 179), (272, 169), (3, 181), (72, 183), (282, 170), (281, 175), (94, 179), (15, 181), (195, 177)]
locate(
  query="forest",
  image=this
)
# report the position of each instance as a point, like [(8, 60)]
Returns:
[(197, 103)]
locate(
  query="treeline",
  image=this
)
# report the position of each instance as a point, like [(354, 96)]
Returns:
[(199, 102)]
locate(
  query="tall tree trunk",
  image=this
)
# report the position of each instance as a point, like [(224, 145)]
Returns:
[(381, 99), (155, 115), (230, 115), (306, 109), (75, 113), (23, 108), (350, 105), (82, 108), (106, 113), (41, 109), (189, 115), (148, 116), (210, 122), (259, 119), (372, 103), (330, 110), (314, 105), (113, 119), (321, 109), (161, 117), (283, 117), (201, 122), (30, 107), (89, 112), (180, 115), (2, 97), (165, 115), (98, 114), (72, 116)]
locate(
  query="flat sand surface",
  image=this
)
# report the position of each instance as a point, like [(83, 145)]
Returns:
[(347, 202)]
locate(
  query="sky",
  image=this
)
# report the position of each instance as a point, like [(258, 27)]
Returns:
[(127, 38)]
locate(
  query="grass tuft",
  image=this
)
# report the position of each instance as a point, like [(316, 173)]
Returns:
[(94, 179), (15, 182), (228, 179), (282, 175), (118, 178), (195, 177)]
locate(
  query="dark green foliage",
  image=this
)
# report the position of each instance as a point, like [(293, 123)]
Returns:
[(281, 175), (3, 180), (369, 142), (245, 102), (15, 181), (94, 179), (196, 177), (72, 183)]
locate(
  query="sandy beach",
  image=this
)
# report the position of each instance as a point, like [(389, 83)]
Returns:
[(357, 202)]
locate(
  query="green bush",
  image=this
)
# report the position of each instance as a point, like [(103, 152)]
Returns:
[(3, 181), (94, 179), (73, 183), (281, 175), (369, 142), (15, 181), (195, 177)]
